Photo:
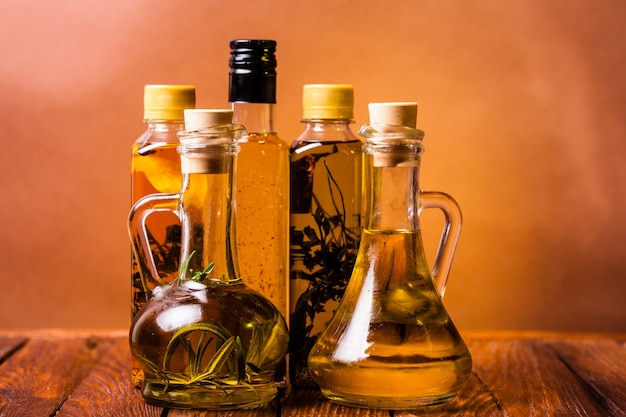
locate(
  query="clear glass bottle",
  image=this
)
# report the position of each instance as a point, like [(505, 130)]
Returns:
[(155, 168), (391, 344), (326, 164), (262, 171), (205, 340)]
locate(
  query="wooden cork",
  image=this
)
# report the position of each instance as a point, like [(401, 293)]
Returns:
[(394, 114), (197, 121)]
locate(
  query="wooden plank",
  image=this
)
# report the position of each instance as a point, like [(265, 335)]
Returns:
[(306, 403), (601, 366), (9, 345), (108, 390), (267, 411), (526, 378), (473, 400), (37, 379)]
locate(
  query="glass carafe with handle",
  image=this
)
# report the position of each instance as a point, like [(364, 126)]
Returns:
[(205, 340), (391, 344)]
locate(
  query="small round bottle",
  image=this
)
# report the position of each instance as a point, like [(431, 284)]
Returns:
[(391, 344), (205, 340)]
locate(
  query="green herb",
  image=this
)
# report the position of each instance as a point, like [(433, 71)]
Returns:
[(166, 257), (195, 276), (226, 368), (203, 276), (328, 253)]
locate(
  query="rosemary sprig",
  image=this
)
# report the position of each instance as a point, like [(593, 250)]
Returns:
[(227, 367), (327, 251), (198, 276)]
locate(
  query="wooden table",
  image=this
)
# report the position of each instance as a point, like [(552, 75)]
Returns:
[(515, 374)]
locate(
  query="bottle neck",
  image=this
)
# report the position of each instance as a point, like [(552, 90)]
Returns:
[(392, 193), (159, 126), (207, 212), (330, 129), (258, 118)]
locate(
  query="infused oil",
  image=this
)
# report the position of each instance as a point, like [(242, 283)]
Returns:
[(155, 168), (325, 217), (391, 344), (205, 340), (263, 215)]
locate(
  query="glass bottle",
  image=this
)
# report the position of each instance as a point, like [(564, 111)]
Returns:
[(326, 163), (155, 168), (262, 172), (205, 340), (391, 344)]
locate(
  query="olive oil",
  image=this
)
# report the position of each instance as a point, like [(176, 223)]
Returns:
[(155, 168), (398, 348), (391, 344), (262, 171), (205, 340), (263, 215), (191, 361), (325, 233)]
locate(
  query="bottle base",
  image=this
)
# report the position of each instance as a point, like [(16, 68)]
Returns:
[(388, 403), (209, 397)]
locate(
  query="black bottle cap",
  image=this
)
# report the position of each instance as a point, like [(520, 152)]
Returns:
[(252, 77)]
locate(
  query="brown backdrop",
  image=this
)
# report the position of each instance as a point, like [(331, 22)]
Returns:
[(523, 104)]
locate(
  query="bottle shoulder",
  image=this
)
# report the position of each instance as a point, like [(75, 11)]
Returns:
[(328, 132), (314, 142), (160, 133), (265, 138)]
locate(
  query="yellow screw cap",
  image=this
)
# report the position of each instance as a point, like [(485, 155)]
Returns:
[(327, 101), (167, 102)]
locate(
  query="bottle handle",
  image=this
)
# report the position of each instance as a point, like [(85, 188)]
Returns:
[(138, 232), (449, 236)]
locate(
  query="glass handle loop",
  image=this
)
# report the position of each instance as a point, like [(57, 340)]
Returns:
[(139, 235), (449, 236)]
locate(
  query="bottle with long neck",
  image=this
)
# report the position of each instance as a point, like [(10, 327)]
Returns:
[(155, 168), (391, 344), (205, 340), (326, 161), (262, 173)]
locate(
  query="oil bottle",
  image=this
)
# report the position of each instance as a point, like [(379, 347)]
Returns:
[(155, 168), (391, 344), (262, 170), (205, 340), (325, 228)]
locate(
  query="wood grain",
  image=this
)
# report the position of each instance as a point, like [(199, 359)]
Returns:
[(600, 366), (8, 345), (526, 379), (108, 391), (37, 379), (69, 375)]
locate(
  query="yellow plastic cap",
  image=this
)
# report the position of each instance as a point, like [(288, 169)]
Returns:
[(327, 101), (167, 102)]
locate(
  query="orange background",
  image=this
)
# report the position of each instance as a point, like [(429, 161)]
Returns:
[(523, 104)]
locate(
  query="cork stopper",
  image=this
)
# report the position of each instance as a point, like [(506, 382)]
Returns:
[(205, 145), (394, 119), (198, 119), (394, 113)]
